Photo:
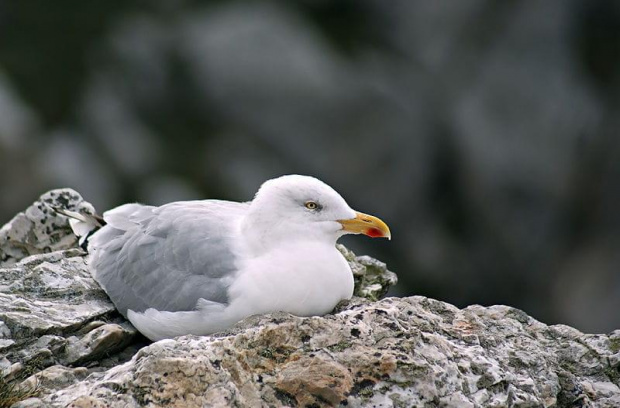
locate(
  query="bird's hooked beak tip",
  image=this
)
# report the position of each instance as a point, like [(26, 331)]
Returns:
[(367, 225)]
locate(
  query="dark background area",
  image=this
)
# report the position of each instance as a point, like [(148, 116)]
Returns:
[(483, 132)]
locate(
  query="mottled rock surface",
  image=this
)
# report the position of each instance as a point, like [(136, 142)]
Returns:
[(50, 314), (372, 278), (406, 352), (57, 326), (60, 335), (40, 229)]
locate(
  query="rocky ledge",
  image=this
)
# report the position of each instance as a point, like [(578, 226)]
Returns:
[(63, 344)]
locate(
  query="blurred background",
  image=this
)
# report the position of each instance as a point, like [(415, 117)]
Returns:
[(483, 132)]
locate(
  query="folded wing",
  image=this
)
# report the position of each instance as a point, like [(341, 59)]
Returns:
[(169, 257)]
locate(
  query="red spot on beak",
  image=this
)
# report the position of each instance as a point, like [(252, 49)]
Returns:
[(374, 233)]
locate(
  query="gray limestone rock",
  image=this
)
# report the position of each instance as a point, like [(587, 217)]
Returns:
[(60, 336), (372, 278), (49, 294), (51, 311), (98, 342), (39, 229), (409, 352)]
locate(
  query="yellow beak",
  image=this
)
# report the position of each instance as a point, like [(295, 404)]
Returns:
[(367, 225)]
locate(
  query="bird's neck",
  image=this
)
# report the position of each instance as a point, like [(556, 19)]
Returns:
[(262, 236)]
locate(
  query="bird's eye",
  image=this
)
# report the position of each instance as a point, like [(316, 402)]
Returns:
[(311, 205)]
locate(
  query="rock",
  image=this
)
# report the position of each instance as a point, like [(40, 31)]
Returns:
[(55, 377), (405, 352), (52, 313), (103, 340), (49, 294), (39, 229), (372, 278)]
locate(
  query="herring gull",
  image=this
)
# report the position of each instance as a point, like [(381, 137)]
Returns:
[(198, 267)]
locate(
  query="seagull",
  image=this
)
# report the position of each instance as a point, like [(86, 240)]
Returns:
[(199, 267)]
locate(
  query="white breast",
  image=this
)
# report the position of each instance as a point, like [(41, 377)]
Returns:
[(303, 279)]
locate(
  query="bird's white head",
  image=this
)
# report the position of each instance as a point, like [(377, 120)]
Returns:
[(302, 207)]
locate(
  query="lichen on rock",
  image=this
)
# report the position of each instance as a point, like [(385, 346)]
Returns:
[(405, 352), (60, 334), (372, 278), (39, 229)]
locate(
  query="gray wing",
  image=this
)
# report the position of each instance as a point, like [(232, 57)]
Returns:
[(167, 257)]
